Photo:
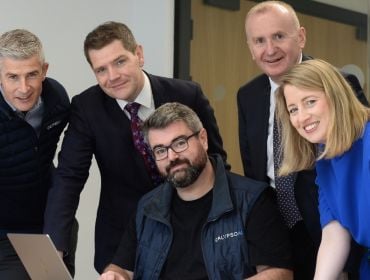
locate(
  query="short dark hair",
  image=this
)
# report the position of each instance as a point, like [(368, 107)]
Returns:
[(105, 34), (170, 113)]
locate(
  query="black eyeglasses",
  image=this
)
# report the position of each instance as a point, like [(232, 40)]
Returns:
[(178, 145)]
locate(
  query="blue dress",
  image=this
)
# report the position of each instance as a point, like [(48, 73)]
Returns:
[(344, 193)]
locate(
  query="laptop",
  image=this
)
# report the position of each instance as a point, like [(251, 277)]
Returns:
[(39, 256)]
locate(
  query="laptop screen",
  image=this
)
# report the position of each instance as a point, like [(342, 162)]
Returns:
[(39, 256)]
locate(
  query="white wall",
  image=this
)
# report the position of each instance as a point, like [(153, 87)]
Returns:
[(62, 27)]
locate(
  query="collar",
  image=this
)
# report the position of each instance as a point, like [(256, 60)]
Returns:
[(221, 202), (300, 58), (273, 86)]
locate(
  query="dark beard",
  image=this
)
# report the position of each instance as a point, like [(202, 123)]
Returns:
[(189, 174)]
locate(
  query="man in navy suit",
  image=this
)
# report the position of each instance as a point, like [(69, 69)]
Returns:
[(100, 126), (276, 40)]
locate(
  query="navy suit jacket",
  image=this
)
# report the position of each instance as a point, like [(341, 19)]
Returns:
[(253, 100), (99, 127)]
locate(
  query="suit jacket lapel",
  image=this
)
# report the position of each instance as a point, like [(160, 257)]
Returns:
[(262, 115), (118, 117), (158, 90)]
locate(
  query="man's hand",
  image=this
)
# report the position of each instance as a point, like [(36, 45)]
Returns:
[(268, 273), (114, 272), (111, 275)]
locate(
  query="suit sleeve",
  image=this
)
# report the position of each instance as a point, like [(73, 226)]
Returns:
[(126, 251), (242, 132), (74, 161), (267, 235), (355, 84), (207, 116)]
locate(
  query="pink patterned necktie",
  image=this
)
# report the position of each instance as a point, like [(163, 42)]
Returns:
[(284, 186), (140, 144)]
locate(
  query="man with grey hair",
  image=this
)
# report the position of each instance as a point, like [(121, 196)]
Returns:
[(33, 113), (276, 41), (203, 222)]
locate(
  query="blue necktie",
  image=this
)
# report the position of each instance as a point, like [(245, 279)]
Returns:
[(284, 185)]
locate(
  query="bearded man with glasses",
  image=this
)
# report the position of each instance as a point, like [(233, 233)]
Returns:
[(203, 222)]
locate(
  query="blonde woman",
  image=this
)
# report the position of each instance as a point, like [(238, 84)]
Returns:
[(323, 124)]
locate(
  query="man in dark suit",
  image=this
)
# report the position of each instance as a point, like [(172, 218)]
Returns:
[(101, 125), (276, 40)]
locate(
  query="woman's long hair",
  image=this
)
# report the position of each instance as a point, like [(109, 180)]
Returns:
[(347, 116)]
